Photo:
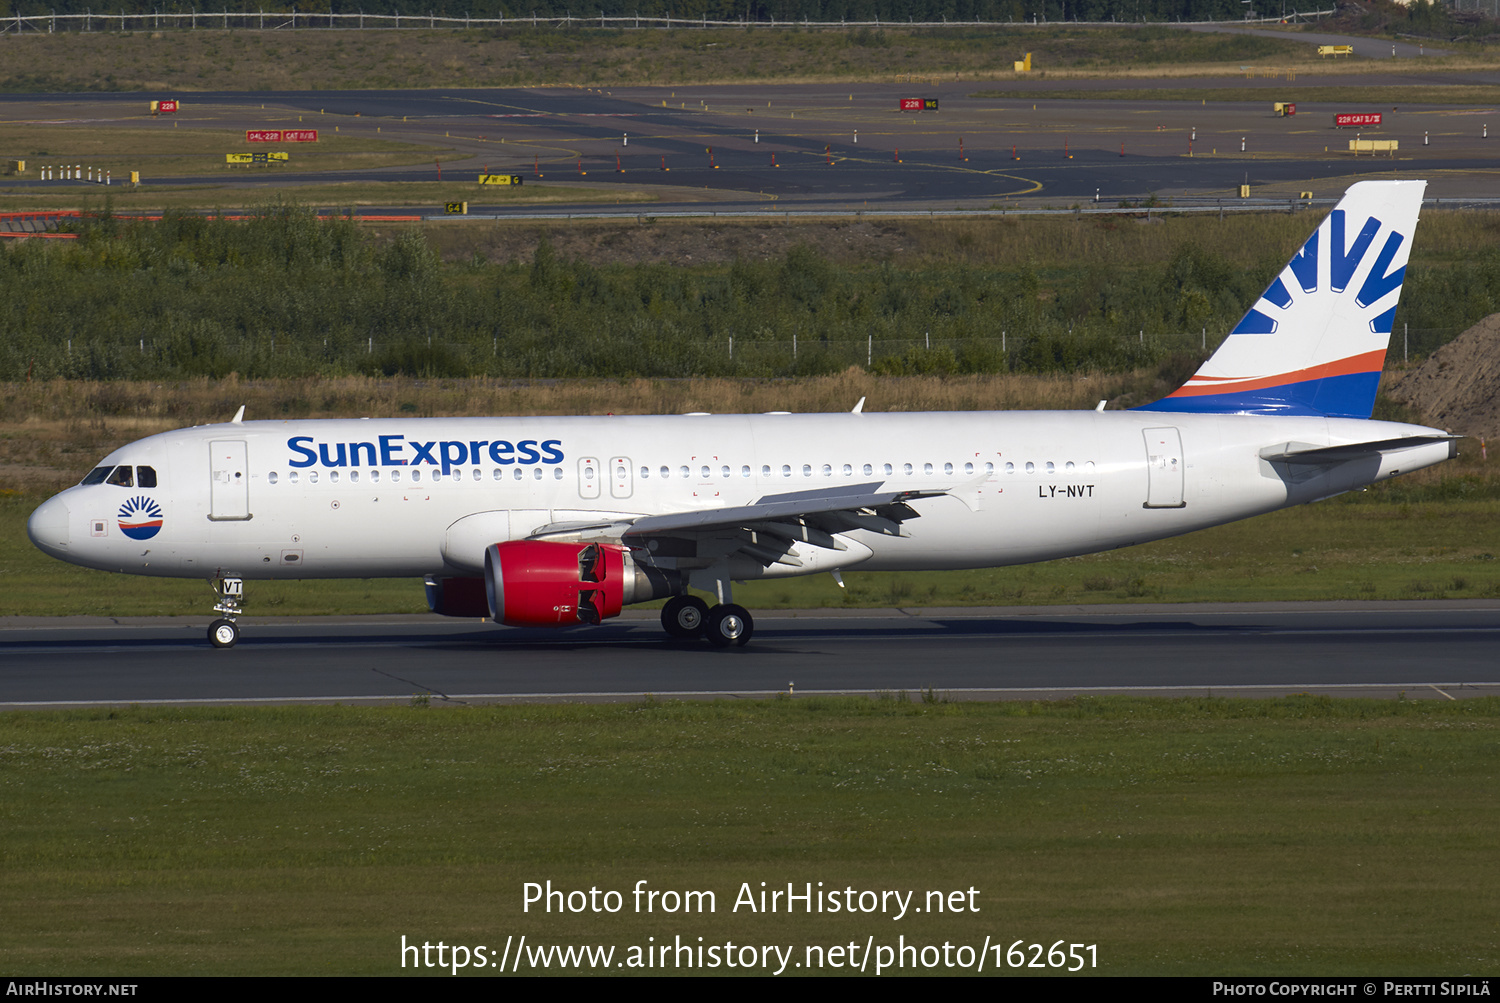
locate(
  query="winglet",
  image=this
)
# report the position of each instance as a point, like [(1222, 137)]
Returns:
[(239, 416), (859, 408), (1315, 341)]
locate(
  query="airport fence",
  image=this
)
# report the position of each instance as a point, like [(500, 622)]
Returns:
[(1080, 352), (262, 20)]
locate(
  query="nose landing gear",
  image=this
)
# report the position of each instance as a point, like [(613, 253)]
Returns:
[(224, 632)]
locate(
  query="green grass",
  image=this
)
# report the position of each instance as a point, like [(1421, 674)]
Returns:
[(188, 61), (1290, 836)]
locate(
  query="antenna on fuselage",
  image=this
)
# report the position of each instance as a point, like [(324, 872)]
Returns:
[(239, 416)]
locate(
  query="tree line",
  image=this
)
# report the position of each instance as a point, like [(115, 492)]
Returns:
[(287, 294)]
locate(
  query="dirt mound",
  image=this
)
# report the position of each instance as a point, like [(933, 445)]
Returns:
[(1458, 387)]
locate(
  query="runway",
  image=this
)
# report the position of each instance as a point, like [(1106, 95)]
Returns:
[(830, 147), (1437, 650)]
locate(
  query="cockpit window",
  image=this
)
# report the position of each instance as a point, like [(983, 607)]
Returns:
[(122, 477), (145, 477), (97, 475)]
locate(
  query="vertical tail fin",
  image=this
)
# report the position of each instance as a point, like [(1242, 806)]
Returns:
[(1315, 341)]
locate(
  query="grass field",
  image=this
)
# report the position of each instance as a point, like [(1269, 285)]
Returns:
[(426, 196), (203, 60), (160, 150), (1290, 836)]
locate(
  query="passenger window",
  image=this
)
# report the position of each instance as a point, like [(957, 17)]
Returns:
[(947, 468), (745, 471), (807, 470), (312, 477), (1050, 468), (121, 478), (395, 476), (519, 474), (271, 477), (786, 470), (888, 470), (375, 476), (827, 470), (869, 470), (684, 471), (706, 474), (726, 472), (1069, 466), (333, 476), (96, 476), (1030, 467), (537, 475), (645, 473), (765, 470), (989, 468), (968, 468), (1010, 468), (292, 476), (557, 473), (145, 477), (666, 471), (477, 473), (927, 469), (416, 475), (353, 476)]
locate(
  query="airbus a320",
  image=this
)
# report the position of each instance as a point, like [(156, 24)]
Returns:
[(562, 521)]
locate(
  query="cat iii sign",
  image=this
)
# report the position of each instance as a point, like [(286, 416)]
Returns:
[(281, 135)]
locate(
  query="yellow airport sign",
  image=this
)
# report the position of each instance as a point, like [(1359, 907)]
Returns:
[(268, 157), (500, 179)]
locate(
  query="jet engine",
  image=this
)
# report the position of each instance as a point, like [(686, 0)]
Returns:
[(537, 583), (458, 597)]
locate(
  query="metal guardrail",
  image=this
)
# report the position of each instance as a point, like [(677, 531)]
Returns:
[(194, 20)]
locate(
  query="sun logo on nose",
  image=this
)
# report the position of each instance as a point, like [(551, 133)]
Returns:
[(140, 518)]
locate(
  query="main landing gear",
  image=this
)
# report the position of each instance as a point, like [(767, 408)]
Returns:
[(224, 632), (724, 625)]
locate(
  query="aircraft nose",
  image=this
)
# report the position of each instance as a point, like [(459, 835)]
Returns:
[(48, 527)]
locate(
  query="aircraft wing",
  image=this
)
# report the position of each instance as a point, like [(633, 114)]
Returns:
[(767, 530)]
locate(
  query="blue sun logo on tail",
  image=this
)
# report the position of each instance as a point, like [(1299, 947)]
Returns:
[(140, 518)]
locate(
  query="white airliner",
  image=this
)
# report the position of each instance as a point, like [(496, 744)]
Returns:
[(563, 520)]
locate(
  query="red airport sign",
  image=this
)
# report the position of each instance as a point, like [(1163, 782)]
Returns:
[(919, 104), (281, 135), (1344, 120), (166, 107)]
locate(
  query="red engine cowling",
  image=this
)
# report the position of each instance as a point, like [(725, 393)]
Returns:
[(534, 583)]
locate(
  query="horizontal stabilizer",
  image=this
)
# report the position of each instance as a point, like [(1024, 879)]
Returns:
[(1324, 456)]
